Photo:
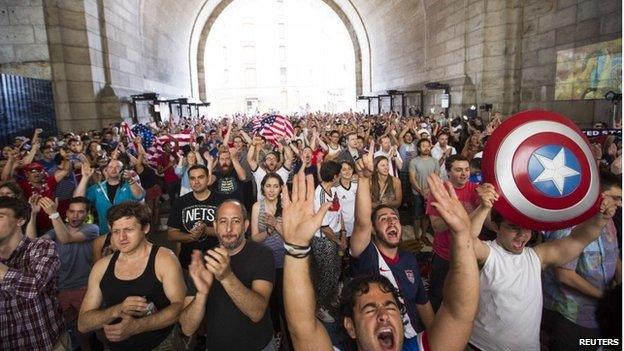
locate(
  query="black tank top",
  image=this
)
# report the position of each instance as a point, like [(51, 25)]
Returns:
[(115, 291)]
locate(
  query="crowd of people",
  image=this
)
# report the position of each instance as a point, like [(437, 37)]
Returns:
[(293, 242)]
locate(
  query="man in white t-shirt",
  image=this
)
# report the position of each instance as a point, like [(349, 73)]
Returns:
[(395, 162), (441, 151), (510, 304), (271, 164)]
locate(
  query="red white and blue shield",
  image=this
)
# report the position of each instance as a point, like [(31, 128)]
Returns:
[(543, 168)]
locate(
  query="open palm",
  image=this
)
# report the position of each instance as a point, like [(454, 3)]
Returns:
[(448, 205), (299, 222)]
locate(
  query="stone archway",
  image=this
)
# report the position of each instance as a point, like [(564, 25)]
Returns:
[(345, 10)]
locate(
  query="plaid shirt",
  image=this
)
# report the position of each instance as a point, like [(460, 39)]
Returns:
[(30, 315)]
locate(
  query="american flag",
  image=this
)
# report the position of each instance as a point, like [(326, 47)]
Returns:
[(182, 138), (152, 144), (274, 126), (125, 128)]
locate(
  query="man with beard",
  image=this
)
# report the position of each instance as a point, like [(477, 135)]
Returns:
[(191, 219), (228, 182), (119, 186), (73, 243), (233, 285), (420, 167), (136, 294), (271, 165), (381, 254), (370, 306)]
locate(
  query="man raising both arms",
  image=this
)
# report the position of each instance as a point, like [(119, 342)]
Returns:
[(379, 253), (510, 308), (370, 306)]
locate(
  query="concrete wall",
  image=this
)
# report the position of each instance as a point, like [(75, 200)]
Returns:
[(490, 51), (23, 39), (551, 26)]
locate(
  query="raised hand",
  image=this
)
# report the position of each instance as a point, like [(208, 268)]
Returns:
[(269, 220), (299, 222), (608, 206), (197, 232), (233, 153), (202, 277), (218, 263), (34, 203), (87, 170), (488, 195), (48, 205), (365, 165), (448, 205)]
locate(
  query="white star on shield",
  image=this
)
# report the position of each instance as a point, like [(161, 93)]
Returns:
[(555, 170)]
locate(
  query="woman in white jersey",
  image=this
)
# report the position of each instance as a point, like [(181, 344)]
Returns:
[(346, 190)]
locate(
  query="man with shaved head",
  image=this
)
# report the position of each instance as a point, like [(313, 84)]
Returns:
[(119, 185), (233, 285)]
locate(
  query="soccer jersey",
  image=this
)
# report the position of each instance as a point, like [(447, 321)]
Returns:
[(346, 196), (332, 217), (406, 272)]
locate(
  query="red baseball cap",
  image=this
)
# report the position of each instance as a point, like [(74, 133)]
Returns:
[(33, 166)]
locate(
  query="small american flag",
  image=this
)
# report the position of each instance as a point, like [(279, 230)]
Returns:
[(274, 126), (125, 128), (182, 138)]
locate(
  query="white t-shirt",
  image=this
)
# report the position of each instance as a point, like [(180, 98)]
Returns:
[(510, 301), (347, 204), (437, 152), (333, 152), (332, 217), (260, 173)]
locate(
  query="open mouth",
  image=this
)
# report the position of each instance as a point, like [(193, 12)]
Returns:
[(386, 339), (392, 233), (517, 245)]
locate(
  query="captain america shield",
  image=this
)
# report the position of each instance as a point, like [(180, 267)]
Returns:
[(543, 168)]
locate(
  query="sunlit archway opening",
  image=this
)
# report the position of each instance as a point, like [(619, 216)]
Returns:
[(279, 56)]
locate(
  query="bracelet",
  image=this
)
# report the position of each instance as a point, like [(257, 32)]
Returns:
[(298, 251), (294, 246), (55, 215), (301, 255)]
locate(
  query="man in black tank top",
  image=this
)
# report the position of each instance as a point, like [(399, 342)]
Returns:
[(136, 294), (234, 285)]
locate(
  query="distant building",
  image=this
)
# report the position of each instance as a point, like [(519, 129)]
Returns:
[(284, 55)]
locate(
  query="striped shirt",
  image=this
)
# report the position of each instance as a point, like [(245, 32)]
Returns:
[(30, 314), (273, 241)]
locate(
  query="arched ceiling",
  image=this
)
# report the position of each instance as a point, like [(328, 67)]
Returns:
[(388, 37)]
